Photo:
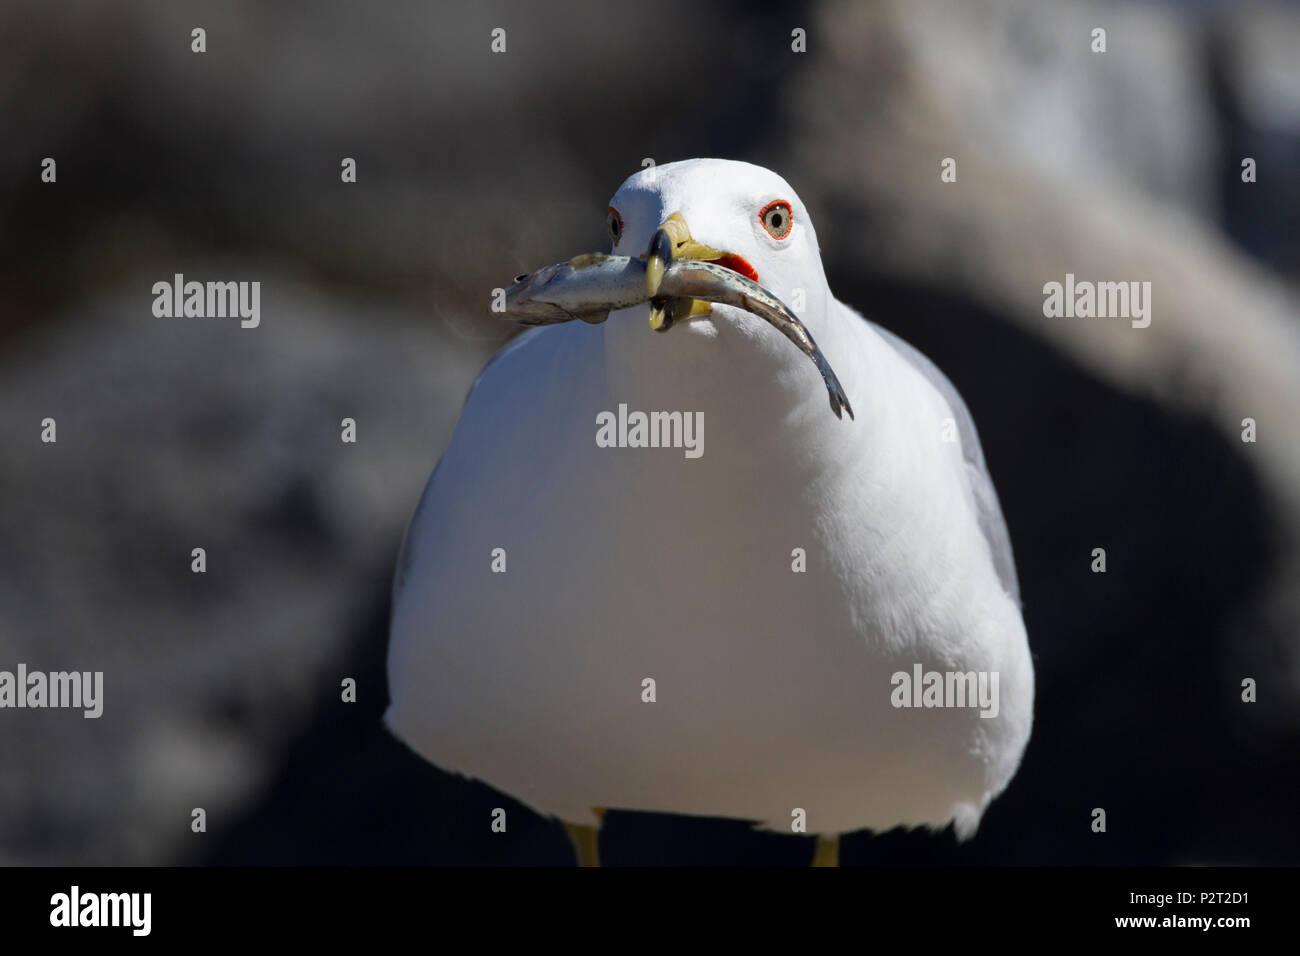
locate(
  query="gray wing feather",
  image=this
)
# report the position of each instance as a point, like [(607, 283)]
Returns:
[(988, 510)]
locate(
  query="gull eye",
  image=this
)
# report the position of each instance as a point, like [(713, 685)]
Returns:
[(776, 219), (614, 222)]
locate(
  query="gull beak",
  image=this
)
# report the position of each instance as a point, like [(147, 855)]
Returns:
[(672, 240)]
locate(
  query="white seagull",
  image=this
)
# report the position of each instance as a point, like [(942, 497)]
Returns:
[(789, 627)]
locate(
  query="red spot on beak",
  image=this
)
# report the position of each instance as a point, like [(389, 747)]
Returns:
[(737, 264)]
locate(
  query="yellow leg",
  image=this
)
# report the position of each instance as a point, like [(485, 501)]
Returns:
[(827, 851), (585, 839)]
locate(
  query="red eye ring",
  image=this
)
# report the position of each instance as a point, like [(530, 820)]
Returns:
[(780, 227), (615, 234)]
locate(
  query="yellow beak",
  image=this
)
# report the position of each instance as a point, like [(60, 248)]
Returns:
[(672, 240)]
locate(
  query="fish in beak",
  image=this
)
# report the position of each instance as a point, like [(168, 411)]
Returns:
[(672, 241), (678, 277)]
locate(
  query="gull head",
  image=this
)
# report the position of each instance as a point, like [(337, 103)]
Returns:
[(737, 215)]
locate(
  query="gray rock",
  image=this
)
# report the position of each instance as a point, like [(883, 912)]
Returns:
[(181, 433)]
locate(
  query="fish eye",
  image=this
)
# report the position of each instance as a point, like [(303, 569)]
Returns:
[(777, 219), (614, 222), (522, 276)]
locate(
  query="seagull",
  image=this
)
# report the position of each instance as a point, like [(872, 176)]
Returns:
[(767, 630)]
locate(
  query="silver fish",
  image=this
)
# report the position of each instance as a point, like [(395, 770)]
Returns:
[(686, 279), (589, 287), (586, 287)]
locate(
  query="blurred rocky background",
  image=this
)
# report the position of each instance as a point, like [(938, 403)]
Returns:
[(223, 689)]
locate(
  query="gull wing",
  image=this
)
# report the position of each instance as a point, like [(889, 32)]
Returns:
[(988, 509)]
